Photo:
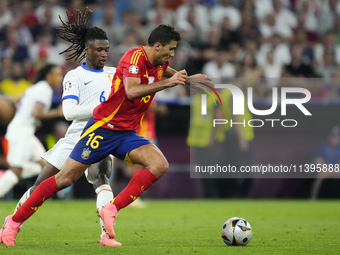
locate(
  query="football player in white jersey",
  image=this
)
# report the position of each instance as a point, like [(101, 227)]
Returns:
[(24, 148), (83, 89)]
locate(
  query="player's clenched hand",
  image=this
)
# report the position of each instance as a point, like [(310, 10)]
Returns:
[(200, 76), (198, 79), (178, 78)]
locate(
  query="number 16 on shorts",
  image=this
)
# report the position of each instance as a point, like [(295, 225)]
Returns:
[(93, 140)]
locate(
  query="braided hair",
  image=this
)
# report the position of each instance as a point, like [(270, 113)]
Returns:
[(78, 33)]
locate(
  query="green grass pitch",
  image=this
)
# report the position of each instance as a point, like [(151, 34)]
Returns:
[(181, 227)]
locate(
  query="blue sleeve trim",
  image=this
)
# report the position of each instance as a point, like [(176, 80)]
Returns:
[(92, 70), (70, 96)]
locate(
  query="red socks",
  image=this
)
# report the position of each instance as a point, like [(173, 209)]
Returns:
[(138, 184), (44, 191)]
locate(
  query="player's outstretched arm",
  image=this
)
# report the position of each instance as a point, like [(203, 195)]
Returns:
[(200, 76), (73, 111), (39, 113), (169, 72), (134, 89)]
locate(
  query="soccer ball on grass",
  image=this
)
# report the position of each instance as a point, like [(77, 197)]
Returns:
[(236, 232)]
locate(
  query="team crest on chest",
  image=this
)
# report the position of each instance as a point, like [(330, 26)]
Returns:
[(86, 154), (160, 71), (133, 69)]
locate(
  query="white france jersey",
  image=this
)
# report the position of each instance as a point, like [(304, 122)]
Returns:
[(23, 122), (89, 87)]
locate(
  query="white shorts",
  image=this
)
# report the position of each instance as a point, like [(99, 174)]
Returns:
[(23, 149), (60, 152), (58, 155)]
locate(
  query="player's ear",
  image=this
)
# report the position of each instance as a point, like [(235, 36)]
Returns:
[(157, 46)]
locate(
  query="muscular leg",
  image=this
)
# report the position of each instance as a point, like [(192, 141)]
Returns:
[(100, 173), (70, 173), (48, 171), (151, 157), (156, 165), (65, 178)]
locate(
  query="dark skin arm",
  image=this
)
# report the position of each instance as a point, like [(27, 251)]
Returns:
[(38, 112)]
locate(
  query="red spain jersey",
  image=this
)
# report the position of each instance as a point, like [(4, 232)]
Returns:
[(118, 112), (148, 126)]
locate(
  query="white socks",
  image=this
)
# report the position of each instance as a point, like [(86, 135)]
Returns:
[(23, 199), (7, 182), (104, 196)]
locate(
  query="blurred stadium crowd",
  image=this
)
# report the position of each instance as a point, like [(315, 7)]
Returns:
[(259, 41), (221, 38)]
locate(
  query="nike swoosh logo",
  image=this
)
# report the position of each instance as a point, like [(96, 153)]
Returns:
[(85, 83)]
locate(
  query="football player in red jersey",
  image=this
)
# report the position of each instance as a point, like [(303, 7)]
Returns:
[(84, 88), (112, 130)]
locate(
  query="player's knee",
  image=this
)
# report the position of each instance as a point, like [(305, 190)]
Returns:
[(160, 167), (101, 179), (65, 182), (164, 166), (105, 168)]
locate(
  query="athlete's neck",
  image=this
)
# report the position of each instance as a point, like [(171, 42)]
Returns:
[(151, 54), (91, 66)]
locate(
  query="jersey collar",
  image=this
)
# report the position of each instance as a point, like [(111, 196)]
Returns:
[(92, 70), (145, 56)]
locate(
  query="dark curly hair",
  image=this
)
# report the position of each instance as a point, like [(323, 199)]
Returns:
[(163, 34), (78, 33)]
